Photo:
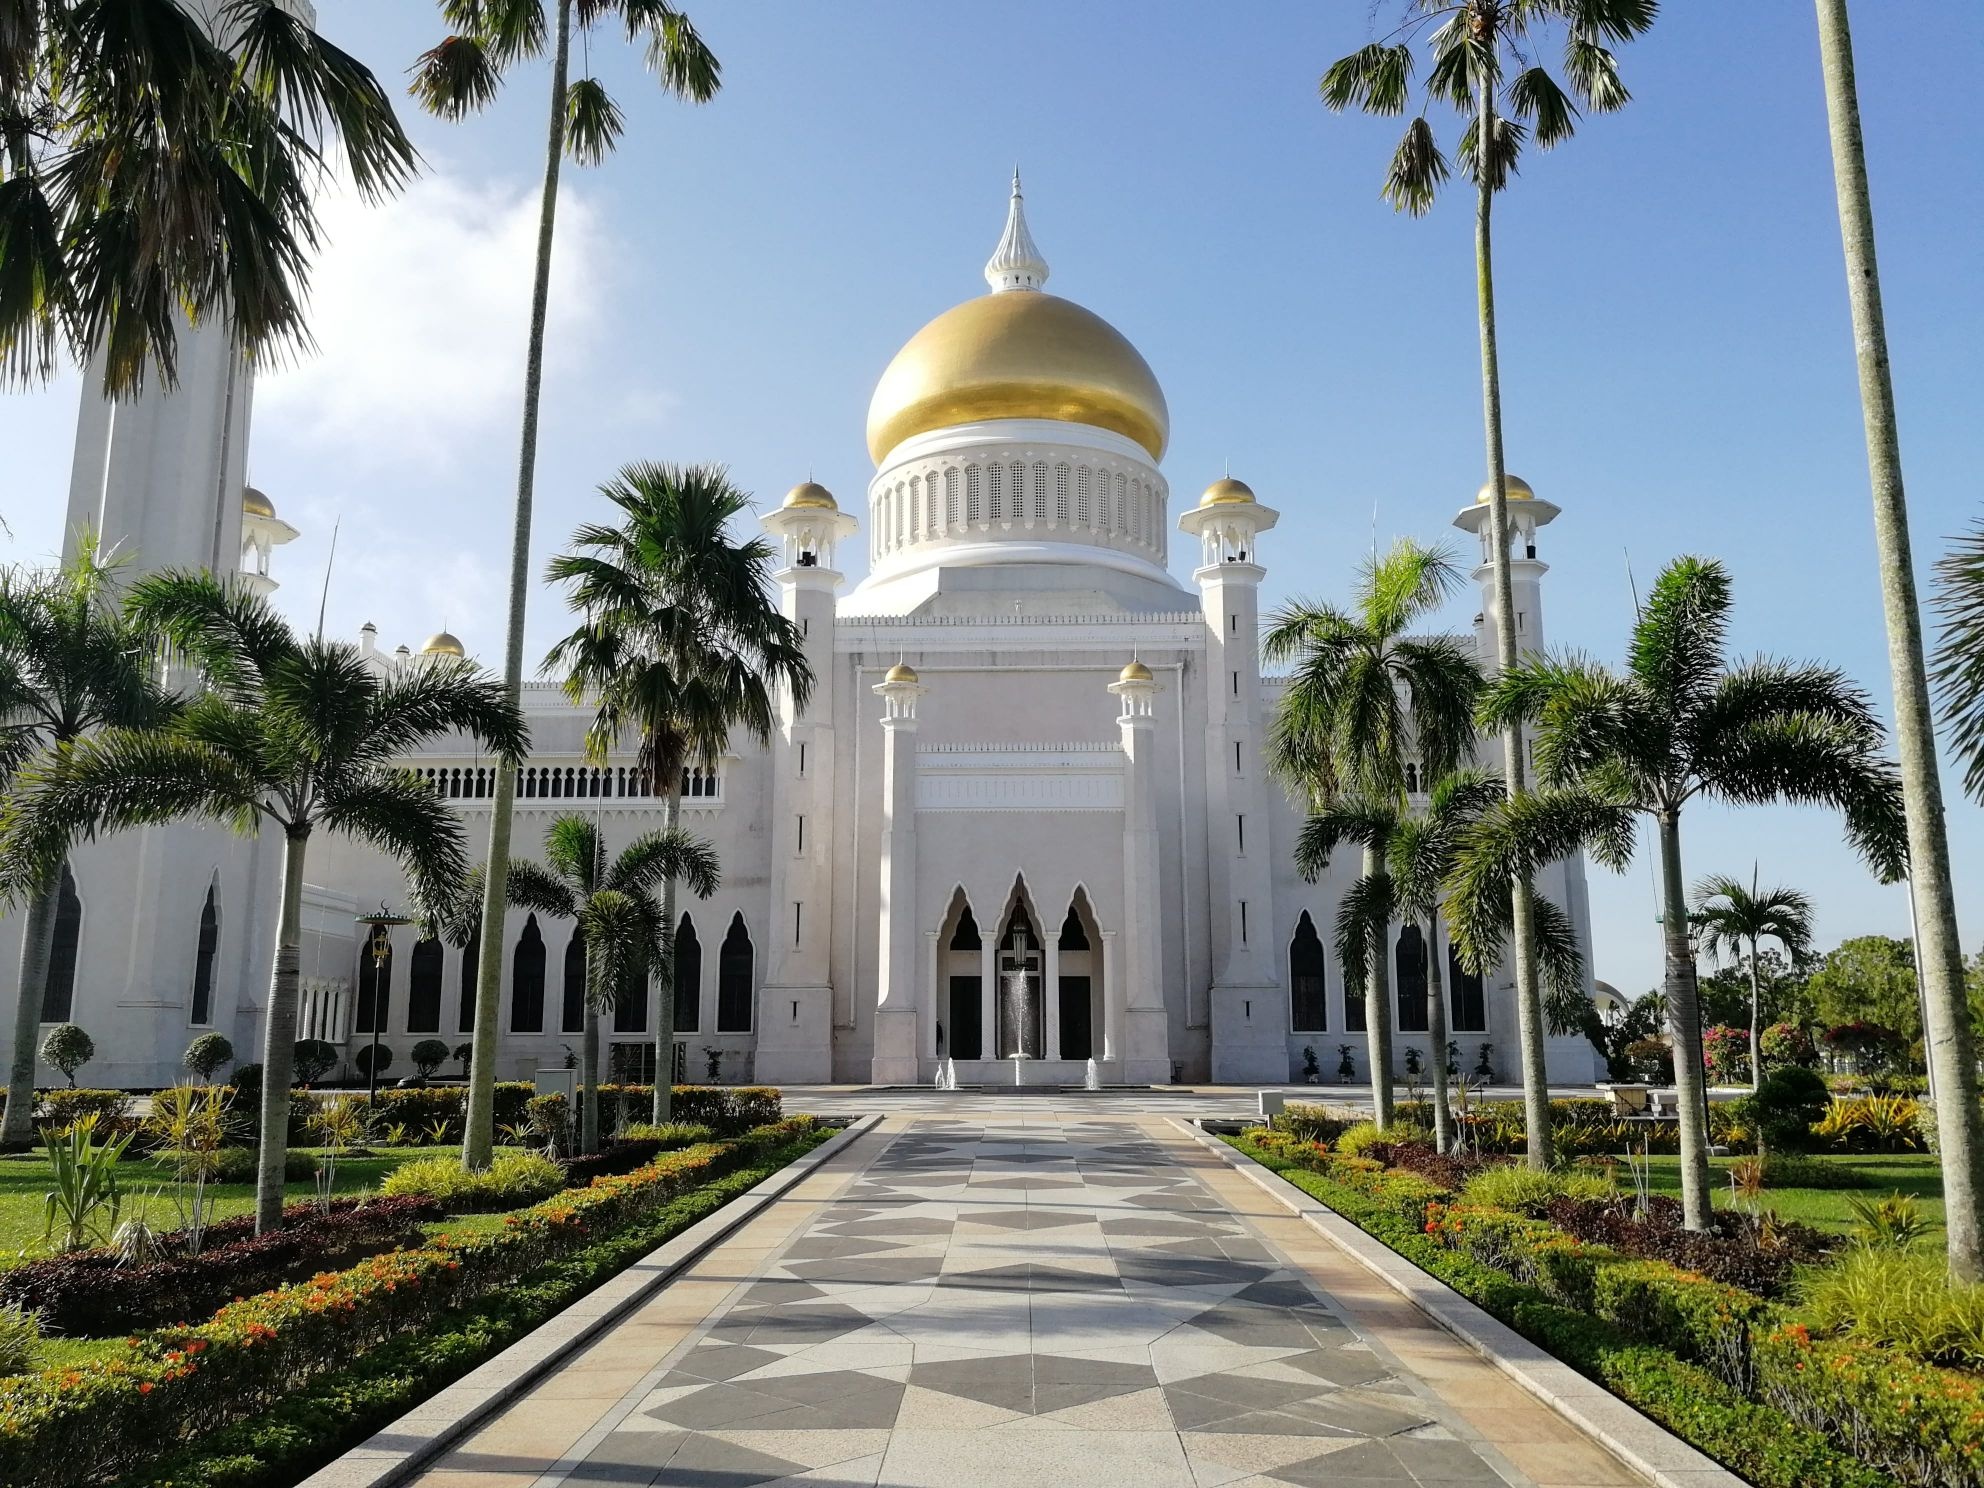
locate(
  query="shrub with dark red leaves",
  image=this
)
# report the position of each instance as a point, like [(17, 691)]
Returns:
[(615, 1157), (1448, 1169), (1738, 1252), (87, 1293)]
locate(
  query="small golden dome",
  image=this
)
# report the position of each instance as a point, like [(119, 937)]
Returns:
[(810, 494), (1136, 671), (901, 672), (1019, 355), (1514, 486), (255, 504), (442, 643), (1226, 491)]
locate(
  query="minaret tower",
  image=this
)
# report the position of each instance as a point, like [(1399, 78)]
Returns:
[(1249, 1010), (795, 1004)]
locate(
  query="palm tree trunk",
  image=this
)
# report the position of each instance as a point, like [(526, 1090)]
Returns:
[(37, 939), (1684, 1025), (589, 1082), (1522, 896), (1378, 1004), (664, 1023), (279, 1036), (1436, 1026), (1947, 1032), (479, 1124), (1756, 1021)]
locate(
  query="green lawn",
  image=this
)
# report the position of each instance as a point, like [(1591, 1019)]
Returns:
[(1915, 1173)]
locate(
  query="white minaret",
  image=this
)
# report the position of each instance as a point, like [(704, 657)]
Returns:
[(896, 1043), (1249, 1007), (795, 1005), (1017, 262), (1136, 1029)]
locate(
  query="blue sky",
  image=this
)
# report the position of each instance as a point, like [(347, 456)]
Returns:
[(1675, 342)]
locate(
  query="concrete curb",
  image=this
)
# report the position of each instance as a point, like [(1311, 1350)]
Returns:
[(444, 1418), (1646, 1447)]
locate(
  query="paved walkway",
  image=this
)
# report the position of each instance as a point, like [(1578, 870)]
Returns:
[(1027, 1301)]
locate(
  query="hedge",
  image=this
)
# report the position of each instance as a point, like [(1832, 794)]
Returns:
[(1714, 1363), (65, 1426)]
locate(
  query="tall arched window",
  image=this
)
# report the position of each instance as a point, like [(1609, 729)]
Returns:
[(1410, 979), (203, 962), (527, 981), (375, 990), (471, 965), (630, 1013), (733, 979), (1470, 1008), (688, 977), (423, 987), (573, 1013), (1308, 989), (59, 995)]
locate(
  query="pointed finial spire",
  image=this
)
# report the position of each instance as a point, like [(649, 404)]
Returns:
[(1016, 263)]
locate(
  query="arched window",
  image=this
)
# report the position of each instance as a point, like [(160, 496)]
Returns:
[(1308, 987), (630, 1013), (527, 981), (423, 987), (203, 962), (1470, 1009), (688, 977), (1410, 979), (471, 965), (573, 1014), (733, 979), (59, 995), (375, 990)]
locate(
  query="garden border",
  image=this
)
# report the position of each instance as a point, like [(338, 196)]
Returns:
[(1642, 1444), (393, 1454)]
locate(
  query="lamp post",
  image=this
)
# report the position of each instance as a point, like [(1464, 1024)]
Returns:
[(381, 922)]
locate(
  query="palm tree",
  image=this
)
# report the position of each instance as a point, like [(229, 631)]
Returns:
[(162, 166), (1680, 723), (1483, 65), (1362, 698), (456, 78), (70, 663), (1730, 919), (612, 903), (680, 641), (299, 735)]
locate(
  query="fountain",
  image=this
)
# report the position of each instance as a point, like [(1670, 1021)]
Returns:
[(1019, 1004), (1091, 1077)]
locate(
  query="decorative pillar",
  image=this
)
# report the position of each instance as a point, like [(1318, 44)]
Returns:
[(928, 1000), (1112, 1002), (1050, 992), (1249, 1010), (896, 1043), (988, 995), (796, 1002), (1146, 1034)]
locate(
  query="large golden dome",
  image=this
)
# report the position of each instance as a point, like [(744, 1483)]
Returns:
[(1017, 353)]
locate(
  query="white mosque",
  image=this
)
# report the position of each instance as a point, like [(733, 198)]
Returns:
[(1031, 751)]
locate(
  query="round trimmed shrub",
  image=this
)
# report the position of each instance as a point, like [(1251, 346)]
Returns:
[(67, 1048), (312, 1060), (1787, 1105), (206, 1054), (363, 1059), (428, 1055)]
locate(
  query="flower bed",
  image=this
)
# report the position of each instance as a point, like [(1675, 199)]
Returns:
[(64, 1427), (1723, 1367), (89, 1293), (1738, 1252)]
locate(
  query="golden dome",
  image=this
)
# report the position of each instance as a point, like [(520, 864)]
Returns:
[(1019, 355), (1513, 486), (1226, 491), (810, 494), (255, 504), (901, 672), (442, 643), (1136, 671)]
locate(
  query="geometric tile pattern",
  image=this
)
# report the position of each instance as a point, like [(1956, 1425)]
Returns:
[(997, 1304)]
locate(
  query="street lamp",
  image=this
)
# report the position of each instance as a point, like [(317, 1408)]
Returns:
[(381, 922)]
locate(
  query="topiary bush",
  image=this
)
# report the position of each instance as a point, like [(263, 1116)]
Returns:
[(312, 1060), (206, 1054), (428, 1056), (1786, 1106), (370, 1061), (67, 1048)]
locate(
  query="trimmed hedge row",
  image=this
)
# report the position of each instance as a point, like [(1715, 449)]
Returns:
[(1716, 1364), (67, 1426)]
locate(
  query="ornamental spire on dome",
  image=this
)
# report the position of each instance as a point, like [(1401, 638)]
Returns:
[(1016, 263)]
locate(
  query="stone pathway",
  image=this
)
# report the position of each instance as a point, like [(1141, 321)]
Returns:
[(1026, 1303)]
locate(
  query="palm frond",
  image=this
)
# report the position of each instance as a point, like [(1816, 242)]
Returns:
[(676, 53), (538, 889), (1443, 682), (398, 813), (231, 633), (456, 78), (444, 695), (1515, 839), (1375, 78), (593, 122), (1560, 958), (576, 853), (1417, 171), (654, 857), (1680, 638), (1362, 820), (1411, 581), (1958, 663), (1803, 760), (1510, 135), (1363, 926), (1535, 98)]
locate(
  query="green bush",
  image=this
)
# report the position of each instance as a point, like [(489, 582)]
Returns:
[(206, 1054), (1354, 1140), (1786, 1105), (67, 1048), (672, 1135), (428, 1056), (511, 1180), (1901, 1298), (64, 1108), (20, 1339), (312, 1059), (1526, 1191), (1313, 1123)]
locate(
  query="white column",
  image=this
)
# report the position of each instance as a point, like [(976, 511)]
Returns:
[(929, 998), (988, 993), (896, 1042), (1146, 1026), (1050, 991), (1112, 1001)]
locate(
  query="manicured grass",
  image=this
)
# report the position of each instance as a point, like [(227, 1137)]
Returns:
[(1914, 1173)]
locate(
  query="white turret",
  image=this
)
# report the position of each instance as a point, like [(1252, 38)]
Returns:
[(1017, 262)]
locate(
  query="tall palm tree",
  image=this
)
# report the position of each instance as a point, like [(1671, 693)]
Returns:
[(456, 78), (1483, 55), (680, 641), (298, 735), (613, 905), (1364, 697), (1680, 723), (1949, 1040), (160, 165), (70, 663), (1730, 919), (1960, 653)]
